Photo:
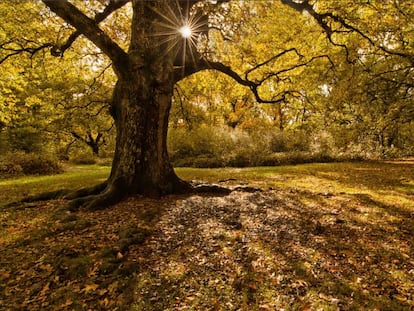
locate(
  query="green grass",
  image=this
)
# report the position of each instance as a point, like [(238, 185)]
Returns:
[(74, 177), (390, 183)]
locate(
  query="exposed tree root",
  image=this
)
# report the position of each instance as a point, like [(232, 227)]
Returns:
[(106, 194), (46, 196), (98, 201), (60, 194), (63, 194), (109, 194), (215, 189), (211, 189), (86, 191)]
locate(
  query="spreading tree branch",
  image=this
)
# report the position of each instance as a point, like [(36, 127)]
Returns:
[(59, 50), (323, 20), (204, 64), (90, 29), (253, 86)]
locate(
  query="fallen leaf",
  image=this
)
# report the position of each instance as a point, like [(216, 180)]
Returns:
[(67, 303), (399, 297), (102, 292), (4, 275), (45, 289), (90, 287)]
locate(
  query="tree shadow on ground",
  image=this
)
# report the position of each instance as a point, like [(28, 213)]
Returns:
[(271, 251)]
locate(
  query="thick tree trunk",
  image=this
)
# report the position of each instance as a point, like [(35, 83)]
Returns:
[(140, 107), (141, 164), (141, 160)]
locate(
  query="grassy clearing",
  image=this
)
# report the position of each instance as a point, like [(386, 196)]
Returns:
[(74, 178), (389, 182), (318, 237)]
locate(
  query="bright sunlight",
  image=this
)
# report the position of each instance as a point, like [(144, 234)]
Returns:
[(185, 31)]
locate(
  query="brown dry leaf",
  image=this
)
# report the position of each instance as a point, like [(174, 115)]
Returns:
[(399, 297), (90, 287), (102, 292), (67, 303), (265, 307), (45, 289), (4, 275), (252, 286)]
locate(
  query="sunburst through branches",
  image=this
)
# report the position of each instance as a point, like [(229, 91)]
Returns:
[(185, 31), (180, 29)]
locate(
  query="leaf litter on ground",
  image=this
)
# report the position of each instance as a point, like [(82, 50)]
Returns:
[(285, 248)]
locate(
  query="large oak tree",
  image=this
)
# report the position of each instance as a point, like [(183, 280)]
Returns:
[(160, 53)]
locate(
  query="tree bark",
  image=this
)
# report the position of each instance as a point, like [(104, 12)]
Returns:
[(141, 159), (141, 164)]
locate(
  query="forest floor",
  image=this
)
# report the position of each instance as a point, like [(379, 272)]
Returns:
[(316, 237)]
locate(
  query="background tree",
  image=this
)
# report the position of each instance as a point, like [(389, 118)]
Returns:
[(43, 98)]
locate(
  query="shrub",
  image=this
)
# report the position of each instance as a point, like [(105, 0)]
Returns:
[(239, 160), (104, 161), (289, 141), (26, 139), (207, 147), (20, 163), (9, 169), (83, 158), (200, 144)]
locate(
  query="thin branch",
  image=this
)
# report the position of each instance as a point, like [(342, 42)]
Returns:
[(277, 73), (92, 102), (271, 60), (181, 94), (16, 51), (96, 79)]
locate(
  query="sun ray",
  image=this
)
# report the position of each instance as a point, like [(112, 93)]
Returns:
[(165, 17), (179, 30)]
